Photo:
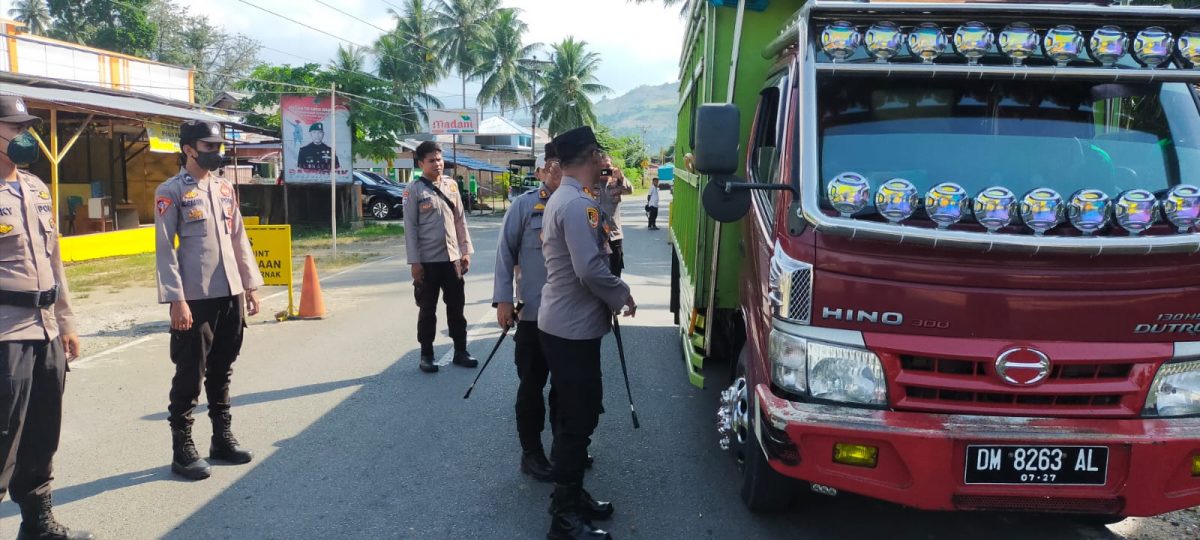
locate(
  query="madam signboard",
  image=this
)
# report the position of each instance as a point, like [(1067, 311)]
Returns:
[(453, 121)]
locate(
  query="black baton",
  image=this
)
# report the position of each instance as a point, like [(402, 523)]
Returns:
[(516, 313), (625, 371)]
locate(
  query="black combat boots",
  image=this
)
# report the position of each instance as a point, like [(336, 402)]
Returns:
[(535, 464), (568, 521), (224, 446), (38, 523), (463, 358), (427, 364), (186, 461)]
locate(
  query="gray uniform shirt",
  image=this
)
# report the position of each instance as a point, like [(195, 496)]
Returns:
[(610, 203), (214, 258), (521, 246), (581, 293), (435, 231), (30, 261)]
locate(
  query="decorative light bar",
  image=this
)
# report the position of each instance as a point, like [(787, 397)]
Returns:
[(1136, 211), (1108, 45), (1042, 210), (1088, 210), (1152, 47), (927, 42), (973, 40), (885, 38), (1063, 43), (995, 207), (849, 193)]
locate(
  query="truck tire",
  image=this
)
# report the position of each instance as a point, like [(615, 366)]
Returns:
[(675, 285), (763, 489)]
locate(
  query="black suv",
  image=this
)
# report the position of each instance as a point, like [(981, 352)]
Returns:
[(381, 197)]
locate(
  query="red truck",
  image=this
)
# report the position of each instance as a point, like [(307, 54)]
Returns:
[(949, 248)]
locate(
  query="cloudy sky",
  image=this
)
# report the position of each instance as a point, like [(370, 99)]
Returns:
[(639, 44)]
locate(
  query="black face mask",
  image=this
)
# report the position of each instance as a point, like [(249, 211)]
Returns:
[(22, 149), (209, 161)]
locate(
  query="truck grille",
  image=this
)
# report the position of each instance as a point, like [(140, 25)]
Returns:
[(1074, 388), (1073, 505)]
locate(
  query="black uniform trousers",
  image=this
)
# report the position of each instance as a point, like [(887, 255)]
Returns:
[(533, 371), (579, 392), (653, 210), (616, 261), (32, 378), (440, 277), (204, 356)]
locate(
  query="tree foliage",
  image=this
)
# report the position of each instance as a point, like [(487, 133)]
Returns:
[(34, 13), (570, 86), (112, 25), (219, 58), (507, 80)]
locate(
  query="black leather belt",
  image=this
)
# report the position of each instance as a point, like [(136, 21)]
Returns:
[(30, 299)]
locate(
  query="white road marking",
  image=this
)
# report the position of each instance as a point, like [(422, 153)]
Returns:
[(111, 350), (327, 278), (485, 326)]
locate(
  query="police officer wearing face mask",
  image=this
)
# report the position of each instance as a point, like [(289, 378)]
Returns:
[(578, 301), (210, 282), (37, 330)]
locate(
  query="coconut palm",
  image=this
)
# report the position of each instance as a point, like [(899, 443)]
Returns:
[(570, 84), (459, 24), (506, 79), (404, 66), (34, 13), (350, 59), (409, 53)]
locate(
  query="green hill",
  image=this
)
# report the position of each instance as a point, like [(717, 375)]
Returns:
[(652, 108)]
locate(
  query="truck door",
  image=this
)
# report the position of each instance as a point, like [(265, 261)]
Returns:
[(763, 165)]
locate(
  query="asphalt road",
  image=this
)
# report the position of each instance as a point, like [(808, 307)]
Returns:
[(352, 441)]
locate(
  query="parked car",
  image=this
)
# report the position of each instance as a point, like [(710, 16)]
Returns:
[(382, 198)]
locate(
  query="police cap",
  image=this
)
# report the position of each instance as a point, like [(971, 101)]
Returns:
[(13, 111), (317, 126), (574, 143), (199, 130)]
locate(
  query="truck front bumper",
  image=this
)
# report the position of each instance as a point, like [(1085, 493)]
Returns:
[(921, 459)]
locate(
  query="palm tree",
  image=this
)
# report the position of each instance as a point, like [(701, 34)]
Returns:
[(350, 59), (408, 53), (403, 64), (566, 101), (34, 13), (506, 79), (459, 24)]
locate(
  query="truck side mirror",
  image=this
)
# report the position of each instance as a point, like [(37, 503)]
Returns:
[(717, 130)]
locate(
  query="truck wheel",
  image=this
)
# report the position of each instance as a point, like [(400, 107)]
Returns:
[(763, 489), (675, 285)]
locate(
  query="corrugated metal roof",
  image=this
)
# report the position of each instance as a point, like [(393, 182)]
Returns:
[(104, 103)]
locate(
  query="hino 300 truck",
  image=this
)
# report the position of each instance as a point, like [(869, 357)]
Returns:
[(948, 250)]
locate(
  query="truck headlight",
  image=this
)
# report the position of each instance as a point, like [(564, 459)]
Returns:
[(826, 371), (1175, 390)]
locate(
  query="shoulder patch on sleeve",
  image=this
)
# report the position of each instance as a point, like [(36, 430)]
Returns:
[(161, 204), (593, 215)]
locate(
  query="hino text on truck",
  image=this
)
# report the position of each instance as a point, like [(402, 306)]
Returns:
[(949, 250)]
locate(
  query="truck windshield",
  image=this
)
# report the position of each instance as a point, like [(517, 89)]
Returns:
[(1017, 134)]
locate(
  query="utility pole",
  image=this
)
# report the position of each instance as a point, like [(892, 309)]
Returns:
[(538, 67), (333, 164)]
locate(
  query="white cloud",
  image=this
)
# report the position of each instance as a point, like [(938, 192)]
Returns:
[(638, 44)]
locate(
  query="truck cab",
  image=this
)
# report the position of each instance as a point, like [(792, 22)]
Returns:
[(952, 255)]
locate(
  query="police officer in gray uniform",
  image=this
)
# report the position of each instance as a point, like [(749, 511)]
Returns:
[(208, 281), (578, 301), (438, 247), (608, 191), (37, 330), (520, 250)]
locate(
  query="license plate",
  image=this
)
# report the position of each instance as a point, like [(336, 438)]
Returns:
[(1029, 464)]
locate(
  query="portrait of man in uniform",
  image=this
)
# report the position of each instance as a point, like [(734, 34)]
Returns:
[(316, 154)]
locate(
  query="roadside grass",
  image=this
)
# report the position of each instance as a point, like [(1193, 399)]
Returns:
[(117, 273), (113, 273)]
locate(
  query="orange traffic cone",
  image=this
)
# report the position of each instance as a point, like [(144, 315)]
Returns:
[(312, 304)]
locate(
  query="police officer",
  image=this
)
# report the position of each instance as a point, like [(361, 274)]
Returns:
[(578, 301), (208, 281), (37, 330), (439, 252), (521, 250), (608, 191)]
